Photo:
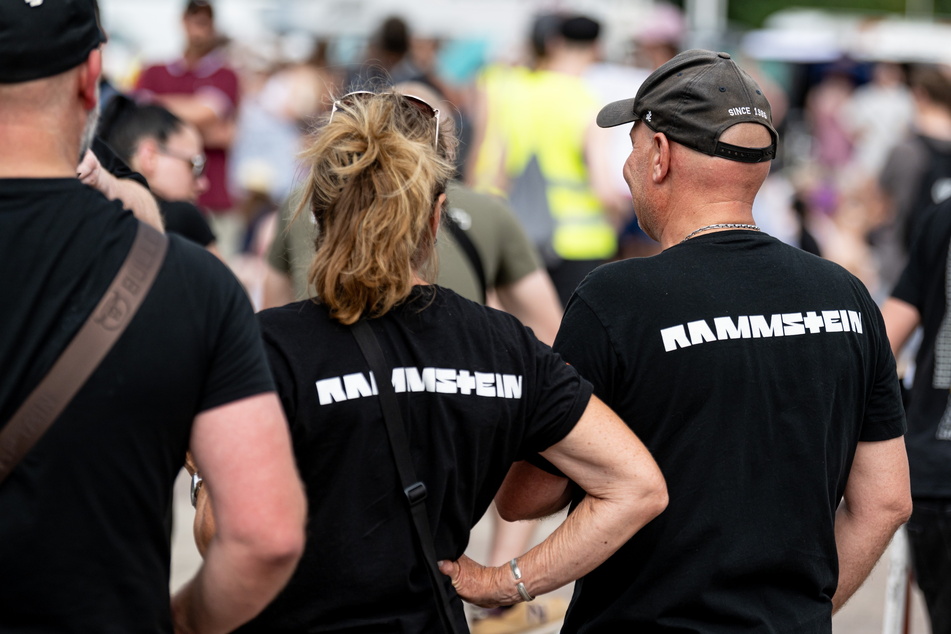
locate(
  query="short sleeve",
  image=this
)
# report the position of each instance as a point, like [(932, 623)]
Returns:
[(279, 364), (561, 396), (884, 414), (238, 367), (584, 342)]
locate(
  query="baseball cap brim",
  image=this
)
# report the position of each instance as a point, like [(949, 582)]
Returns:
[(617, 113)]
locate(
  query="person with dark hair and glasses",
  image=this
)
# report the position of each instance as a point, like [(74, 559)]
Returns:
[(167, 151), (476, 391)]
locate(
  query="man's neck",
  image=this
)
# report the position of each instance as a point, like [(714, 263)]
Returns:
[(725, 216), (35, 154)]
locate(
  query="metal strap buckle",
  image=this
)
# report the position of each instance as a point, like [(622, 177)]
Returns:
[(415, 493)]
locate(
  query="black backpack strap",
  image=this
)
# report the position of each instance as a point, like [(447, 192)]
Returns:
[(414, 489), (469, 248)]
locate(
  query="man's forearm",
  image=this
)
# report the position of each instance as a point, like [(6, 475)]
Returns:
[(860, 542), (232, 586)]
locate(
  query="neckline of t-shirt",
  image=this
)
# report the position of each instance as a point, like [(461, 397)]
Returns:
[(41, 184), (720, 235)]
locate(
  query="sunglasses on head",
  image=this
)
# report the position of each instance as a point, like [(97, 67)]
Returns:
[(413, 100)]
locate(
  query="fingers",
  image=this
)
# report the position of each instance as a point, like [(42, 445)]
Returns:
[(450, 569)]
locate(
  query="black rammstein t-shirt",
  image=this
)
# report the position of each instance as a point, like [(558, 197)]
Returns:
[(83, 543), (750, 369), (476, 390)]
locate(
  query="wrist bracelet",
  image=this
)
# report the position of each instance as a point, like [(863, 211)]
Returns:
[(517, 573), (195, 486)]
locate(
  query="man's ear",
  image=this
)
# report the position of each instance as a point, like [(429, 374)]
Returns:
[(89, 79), (660, 157)]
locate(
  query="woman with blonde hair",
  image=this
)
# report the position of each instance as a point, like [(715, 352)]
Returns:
[(474, 389)]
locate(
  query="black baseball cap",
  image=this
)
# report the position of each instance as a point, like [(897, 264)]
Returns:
[(693, 99), (42, 38)]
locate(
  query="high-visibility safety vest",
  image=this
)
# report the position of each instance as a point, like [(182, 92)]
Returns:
[(540, 118)]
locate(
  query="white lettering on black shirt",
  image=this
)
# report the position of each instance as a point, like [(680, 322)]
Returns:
[(433, 380), (761, 327)]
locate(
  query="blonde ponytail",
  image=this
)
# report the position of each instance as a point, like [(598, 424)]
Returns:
[(374, 176)]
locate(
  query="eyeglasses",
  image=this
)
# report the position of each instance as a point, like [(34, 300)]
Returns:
[(413, 100), (197, 161)]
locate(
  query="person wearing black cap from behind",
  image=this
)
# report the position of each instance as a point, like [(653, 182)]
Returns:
[(759, 376), (83, 542)]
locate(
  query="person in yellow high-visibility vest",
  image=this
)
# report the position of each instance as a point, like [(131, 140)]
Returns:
[(540, 147)]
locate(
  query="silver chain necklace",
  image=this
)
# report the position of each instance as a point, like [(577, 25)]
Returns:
[(722, 225)]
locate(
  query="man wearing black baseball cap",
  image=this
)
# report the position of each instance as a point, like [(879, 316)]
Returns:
[(758, 375), (83, 543)]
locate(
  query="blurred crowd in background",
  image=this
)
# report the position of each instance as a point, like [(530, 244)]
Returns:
[(861, 141)]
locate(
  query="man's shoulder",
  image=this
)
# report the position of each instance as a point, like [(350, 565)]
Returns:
[(195, 265)]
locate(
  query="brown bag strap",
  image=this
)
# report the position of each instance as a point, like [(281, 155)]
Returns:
[(87, 349)]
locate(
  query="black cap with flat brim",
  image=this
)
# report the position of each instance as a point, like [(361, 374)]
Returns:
[(693, 99)]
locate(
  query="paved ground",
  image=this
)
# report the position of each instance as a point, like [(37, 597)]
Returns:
[(862, 615)]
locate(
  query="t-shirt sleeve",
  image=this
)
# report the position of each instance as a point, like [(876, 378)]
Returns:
[(279, 363), (237, 367), (111, 162), (561, 396), (884, 414), (584, 343), (518, 257)]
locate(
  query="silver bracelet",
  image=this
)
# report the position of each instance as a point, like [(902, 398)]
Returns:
[(195, 486), (517, 573)]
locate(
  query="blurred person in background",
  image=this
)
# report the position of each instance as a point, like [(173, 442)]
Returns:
[(202, 89), (168, 152), (878, 116), (659, 36), (376, 186), (922, 298), (550, 162), (917, 172), (656, 39), (389, 59)]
